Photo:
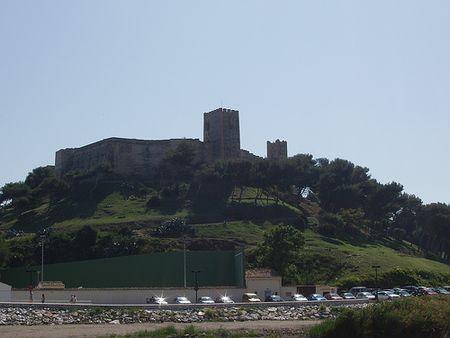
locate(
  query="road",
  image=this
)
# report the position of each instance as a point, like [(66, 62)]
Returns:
[(288, 328)]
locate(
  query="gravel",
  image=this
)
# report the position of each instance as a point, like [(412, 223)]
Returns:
[(51, 316)]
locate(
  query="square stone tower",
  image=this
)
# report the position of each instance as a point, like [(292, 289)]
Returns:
[(277, 150), (221, 134)]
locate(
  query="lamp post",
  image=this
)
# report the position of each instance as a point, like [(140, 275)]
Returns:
[(376, 267), (196, 272), (42, 257), (184, 261), (44, 233)]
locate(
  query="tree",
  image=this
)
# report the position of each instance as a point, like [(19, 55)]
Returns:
[(38, 175), (85, 240), (18, 194), (281, 250)]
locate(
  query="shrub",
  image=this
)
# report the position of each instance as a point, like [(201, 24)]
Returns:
[(414, 317), (174, 227)]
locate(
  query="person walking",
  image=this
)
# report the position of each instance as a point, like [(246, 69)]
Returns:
[(43, 298)]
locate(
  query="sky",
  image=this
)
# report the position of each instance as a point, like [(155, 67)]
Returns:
[(367, 81)]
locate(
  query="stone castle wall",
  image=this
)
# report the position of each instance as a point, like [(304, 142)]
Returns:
[(129, 157), (277, 150), (221, 134)]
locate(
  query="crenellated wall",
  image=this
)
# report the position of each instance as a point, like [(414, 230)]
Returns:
[(129, 157), (277, 150)]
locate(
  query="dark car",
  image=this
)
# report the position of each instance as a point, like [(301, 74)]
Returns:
[(274, 298), (424, 291), (441, 291), (316, 297), (333, 296), (412, 289)]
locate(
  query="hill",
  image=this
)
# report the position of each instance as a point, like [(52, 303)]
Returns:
[(348, 220)]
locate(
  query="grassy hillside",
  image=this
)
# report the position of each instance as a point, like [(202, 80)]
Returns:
[(334, 260), (126, 218)]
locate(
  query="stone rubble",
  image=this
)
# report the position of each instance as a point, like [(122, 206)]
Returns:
[(97, 315)]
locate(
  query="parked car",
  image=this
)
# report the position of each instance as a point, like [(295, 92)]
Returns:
[(425, 291), (447, 287), (156, 300), (387, 295), (274, 298), (205, 300), (250, 298), (182, 300), (333, 296), (298, 298), (357, 289), (403, 293), (441, 291), (412, 289), (316, 297), (365, 295), (224, 300), (348, 295)]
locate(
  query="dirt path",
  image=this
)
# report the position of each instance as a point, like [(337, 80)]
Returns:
[(281, 328)]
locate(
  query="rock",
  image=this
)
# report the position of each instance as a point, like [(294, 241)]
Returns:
[(116, 321)]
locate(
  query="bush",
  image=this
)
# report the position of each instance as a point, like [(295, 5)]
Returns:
[(415, 317), (153, 202), (174, 227)]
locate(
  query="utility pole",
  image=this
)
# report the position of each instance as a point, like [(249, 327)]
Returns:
[(376, 267), (184, 262), (42, 257), (44, 233), (196, 272)]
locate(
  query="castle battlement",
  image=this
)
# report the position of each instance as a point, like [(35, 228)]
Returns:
[(135, 157)]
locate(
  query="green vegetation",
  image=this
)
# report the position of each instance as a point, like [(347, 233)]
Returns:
[(190, 331), (419, 317), (348, 220), (348, 262), (281, 250)]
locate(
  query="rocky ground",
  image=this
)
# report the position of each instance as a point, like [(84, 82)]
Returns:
[(49, 316)]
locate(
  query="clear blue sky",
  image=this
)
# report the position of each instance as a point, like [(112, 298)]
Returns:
[(368, 81)]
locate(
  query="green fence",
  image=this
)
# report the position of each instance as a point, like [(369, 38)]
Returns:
[(218, 268)]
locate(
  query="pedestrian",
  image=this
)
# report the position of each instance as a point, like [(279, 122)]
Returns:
[(43, 298), (74, 298), (71, 298)]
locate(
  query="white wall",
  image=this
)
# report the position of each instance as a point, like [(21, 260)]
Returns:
[(264, 285), (5, 292), (121, 296)]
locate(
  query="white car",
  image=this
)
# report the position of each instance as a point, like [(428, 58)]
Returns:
[(205, 300), (387, 295), (298, 298), (250, 298), (182, 300), (224, 300), (357, 289), (365, 295), (157, 300)]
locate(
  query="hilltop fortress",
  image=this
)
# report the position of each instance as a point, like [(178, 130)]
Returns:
[(132, 157)]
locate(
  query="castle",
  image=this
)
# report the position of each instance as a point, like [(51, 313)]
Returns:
[(132, 157)]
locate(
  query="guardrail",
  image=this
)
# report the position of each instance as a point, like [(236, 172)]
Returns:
[(79, 304)]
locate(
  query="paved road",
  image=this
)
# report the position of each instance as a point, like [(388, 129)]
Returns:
[(288, 328)]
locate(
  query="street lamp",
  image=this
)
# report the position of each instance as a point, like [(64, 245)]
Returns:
[(196, 272), (376, 267), (43, 236)]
